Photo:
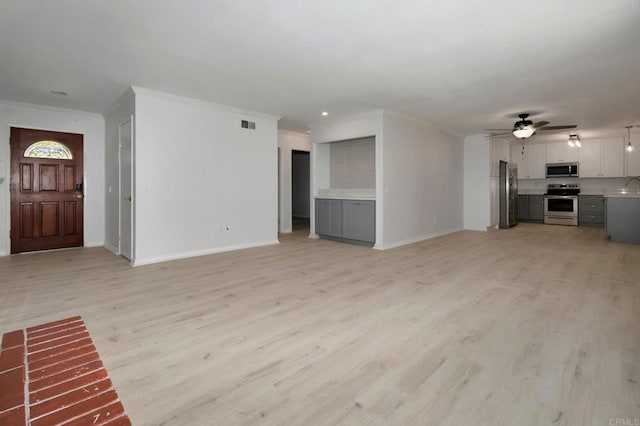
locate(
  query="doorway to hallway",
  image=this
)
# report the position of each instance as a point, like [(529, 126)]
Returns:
[(300, 189)]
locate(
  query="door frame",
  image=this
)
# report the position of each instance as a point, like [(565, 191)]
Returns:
[(279, 154), (132, 189), (6, 178)]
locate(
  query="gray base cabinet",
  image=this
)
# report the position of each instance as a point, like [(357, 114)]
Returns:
[(536, 208), (329, 217), (591, 210), (623, 224), (522, 207), (530, 208), (346, 220), (359, 220)]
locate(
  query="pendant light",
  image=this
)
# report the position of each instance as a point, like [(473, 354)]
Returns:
[(629, 146), (574, 141)]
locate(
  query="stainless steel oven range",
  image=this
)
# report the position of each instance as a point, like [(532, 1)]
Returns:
[(561, 204)]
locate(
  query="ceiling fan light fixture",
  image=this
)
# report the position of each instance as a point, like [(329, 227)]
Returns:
[(524, 132), (629, 147), (525, 128)]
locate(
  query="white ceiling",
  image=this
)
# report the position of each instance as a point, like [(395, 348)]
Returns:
[(462, 65)]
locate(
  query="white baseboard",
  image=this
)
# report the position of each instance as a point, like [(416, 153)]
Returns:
[(195, 253), (412, 240), (113, 249), (94, 244)]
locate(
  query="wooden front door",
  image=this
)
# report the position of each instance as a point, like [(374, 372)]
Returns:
[(46, 190)]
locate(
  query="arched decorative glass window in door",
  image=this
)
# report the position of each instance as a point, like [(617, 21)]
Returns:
[(48, 149)]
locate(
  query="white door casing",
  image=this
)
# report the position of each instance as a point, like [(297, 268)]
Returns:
[(126, 189)]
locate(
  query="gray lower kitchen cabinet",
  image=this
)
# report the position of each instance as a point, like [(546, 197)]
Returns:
[(590, 219), (359, 220), (530, 208), (591, 210), (536, 208), (622, 221), (329, 217), (522, 207), (348, 220)]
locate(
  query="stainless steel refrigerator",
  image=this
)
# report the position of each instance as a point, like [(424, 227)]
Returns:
[(508, 193)]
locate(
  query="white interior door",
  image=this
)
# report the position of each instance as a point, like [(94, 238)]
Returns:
[(126, 189)]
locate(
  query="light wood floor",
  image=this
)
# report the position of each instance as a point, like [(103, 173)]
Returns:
[(537, 325)]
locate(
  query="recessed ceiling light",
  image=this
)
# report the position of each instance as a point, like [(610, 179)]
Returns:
[(59, 92), (325, 113)]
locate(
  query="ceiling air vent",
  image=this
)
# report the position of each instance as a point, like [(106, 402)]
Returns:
[(248, 124)]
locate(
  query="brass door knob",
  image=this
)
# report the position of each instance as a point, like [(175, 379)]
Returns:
[(79, 195)]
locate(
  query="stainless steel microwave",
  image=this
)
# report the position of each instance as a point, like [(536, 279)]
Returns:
[(562, 170)]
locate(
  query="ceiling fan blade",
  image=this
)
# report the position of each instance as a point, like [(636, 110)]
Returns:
[(497, 130), (500, 134), (573, 126), (540, 124)]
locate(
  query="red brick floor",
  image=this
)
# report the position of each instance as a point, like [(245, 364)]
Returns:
[(52, 374)]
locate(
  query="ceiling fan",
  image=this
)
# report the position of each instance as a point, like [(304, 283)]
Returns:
[(524, 128)]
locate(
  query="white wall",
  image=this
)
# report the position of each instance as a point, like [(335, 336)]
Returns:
[(422, 181), (203, 183), (14, 114), (477, 190), (288, 141), (120, 111)]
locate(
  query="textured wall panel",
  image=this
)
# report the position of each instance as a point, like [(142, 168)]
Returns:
[(353, 164)]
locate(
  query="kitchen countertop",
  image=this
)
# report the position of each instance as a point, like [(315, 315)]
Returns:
[(347, 194), (593, 191), (346, 197), (531, 191), (623, 193)]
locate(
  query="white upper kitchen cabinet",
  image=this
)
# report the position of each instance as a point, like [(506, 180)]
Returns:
[(535, 159), (517, 156), (530, 159), (602, 158), (590, 158), (561, 152), (612, 151), (633, 162), (499, 152)]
